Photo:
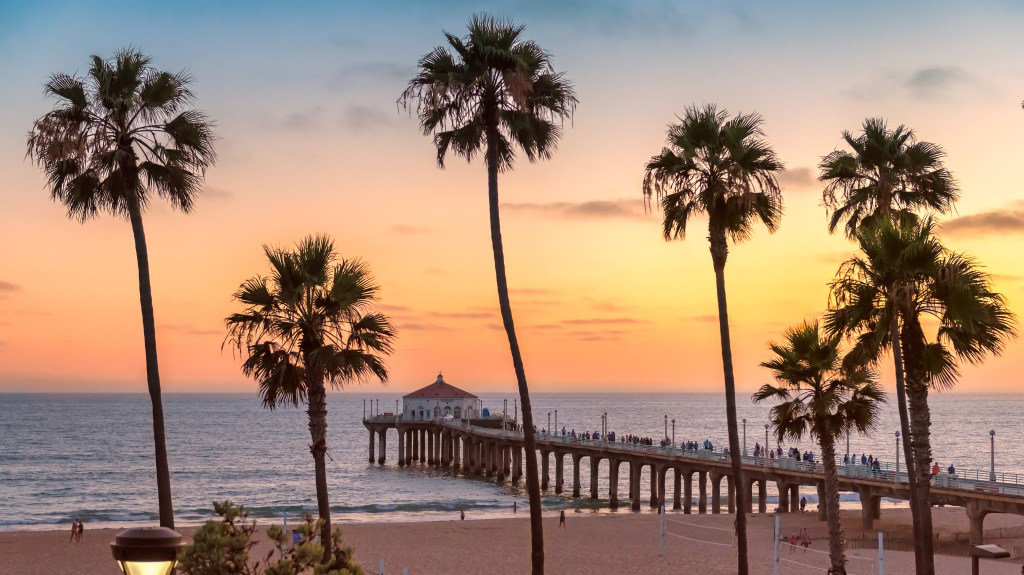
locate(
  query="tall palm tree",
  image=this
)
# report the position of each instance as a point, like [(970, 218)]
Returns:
[(492, 91), (720, 167), (886, 175), (820, 397), (904, 274), (309, 323), (115, 138)]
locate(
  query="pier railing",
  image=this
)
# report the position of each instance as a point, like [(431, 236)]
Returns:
[(1010, 484)]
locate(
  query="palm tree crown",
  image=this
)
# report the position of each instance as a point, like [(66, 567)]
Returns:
[(490, 88), (124, 132), (888, 174), (312, 315), (819, 396), (719, 167)]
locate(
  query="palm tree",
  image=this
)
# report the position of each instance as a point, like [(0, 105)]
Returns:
[(821, 398), (722, 168), (889, 175), (115, 138), (903, 275), (310, 322), (496, 92)]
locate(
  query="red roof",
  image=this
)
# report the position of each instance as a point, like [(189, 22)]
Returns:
[(440, 389)]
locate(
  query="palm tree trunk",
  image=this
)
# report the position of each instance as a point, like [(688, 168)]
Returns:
[(912, 339), (901, 405), (719, 252), (532, 480), (836, 543), (163, 473), (317, 412)]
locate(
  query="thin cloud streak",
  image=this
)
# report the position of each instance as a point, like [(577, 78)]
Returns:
[(620, 209)]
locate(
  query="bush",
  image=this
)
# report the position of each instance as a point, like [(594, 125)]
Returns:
[(221, 547)]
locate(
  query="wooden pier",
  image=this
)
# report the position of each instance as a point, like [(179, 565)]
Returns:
[(498, 454)]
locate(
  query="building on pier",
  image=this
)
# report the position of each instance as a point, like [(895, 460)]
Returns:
[(440, 401)]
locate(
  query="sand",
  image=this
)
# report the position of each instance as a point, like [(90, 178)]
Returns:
[(590, 543)]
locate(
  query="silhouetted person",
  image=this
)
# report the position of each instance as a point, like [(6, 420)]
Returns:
[(462, 514), (561, 518)]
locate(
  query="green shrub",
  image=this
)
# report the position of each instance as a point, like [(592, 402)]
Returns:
[(221, 547)]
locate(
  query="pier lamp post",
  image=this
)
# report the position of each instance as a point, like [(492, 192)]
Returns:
[(666, 426), (896, 476), (604, 432), (147, 550), (992, 473), (364, 408), (556, 421), (744, 437), (765, 457), (396, 408), (549, 423), (847, 441), (673, 433)]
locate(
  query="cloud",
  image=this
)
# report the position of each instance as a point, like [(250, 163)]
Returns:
[(1009, 220), (190, 330), (404, 230), (605, 321), (703, 318), (364, 76), (313, 118), (461, 314), (621, 209), (421, 326), (216, 193), (929, 82), (358, 118), (798, 178), (832, 258), (603, 335), (7, 287), (435, 272)]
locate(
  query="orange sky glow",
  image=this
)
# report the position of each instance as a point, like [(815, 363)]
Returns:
[(311, 142)]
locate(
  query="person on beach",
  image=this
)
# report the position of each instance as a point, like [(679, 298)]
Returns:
[(74, 531), (462, 514), (803, 504), (515, 507), (793, 538), (81, 527), (561, 518), (805, 539)]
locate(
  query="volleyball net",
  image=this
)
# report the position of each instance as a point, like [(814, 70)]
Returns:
[(694, 533)]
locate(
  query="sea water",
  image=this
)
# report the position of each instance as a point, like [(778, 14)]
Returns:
[(91, 455)]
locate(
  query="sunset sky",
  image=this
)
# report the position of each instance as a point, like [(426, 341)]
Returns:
[(311, 140)]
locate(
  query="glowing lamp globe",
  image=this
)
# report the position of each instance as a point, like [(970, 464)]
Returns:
[(147, 550)]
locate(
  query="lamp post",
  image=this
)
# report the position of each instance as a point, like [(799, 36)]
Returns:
[(147, 550), (549, 423), (666, 426), (556, 420), (604, 432), (364, 408), (847, 441), (744, 437), (896, 476), (765, 455), (396, 408), (992, 474), (673, 433)]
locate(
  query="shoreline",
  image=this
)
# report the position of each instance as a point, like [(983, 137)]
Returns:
[(590, 543)]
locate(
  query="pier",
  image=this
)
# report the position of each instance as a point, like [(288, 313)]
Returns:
[(498, 454)]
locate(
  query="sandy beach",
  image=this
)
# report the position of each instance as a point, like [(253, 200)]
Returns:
[(590, 543)]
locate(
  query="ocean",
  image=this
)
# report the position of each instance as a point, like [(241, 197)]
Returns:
[(91, 456)]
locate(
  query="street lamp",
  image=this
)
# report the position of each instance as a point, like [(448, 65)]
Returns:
[(744, 437), (666, 426), (673, 433), (147, 550), (556, 419), (896, 476), (992, 474), (847, 441), (549, 423), (763, 451), (604, 433)]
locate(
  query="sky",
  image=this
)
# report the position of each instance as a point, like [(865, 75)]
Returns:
[(311, 141)]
